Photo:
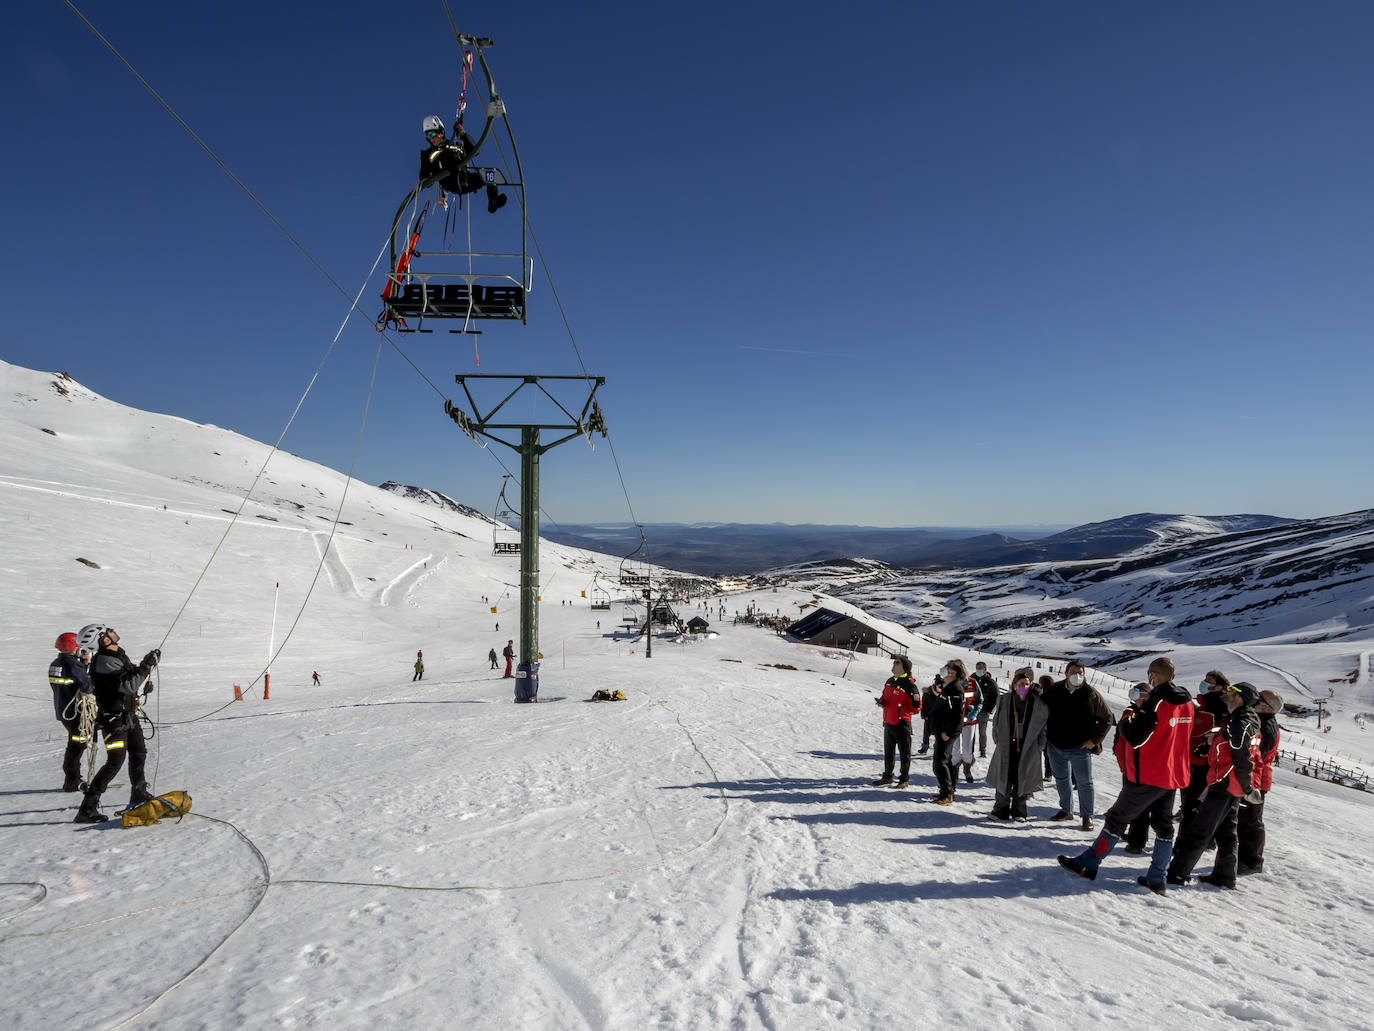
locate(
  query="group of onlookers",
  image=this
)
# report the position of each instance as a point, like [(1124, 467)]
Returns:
[(1217, 749)]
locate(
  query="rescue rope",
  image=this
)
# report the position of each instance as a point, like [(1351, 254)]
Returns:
[(87, 709)]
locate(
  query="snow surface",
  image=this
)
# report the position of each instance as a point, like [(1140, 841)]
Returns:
[(381, 853)]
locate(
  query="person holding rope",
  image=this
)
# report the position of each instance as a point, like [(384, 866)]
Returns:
[(70, 684), (117, 681), (442, 160)]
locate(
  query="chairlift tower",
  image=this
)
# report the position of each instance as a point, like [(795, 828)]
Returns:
[(589, 420)]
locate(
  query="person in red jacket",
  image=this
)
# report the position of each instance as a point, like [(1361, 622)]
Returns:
[(1232, 774), (1250, 818), (1210, 711), (1153, 752), (900, 701)]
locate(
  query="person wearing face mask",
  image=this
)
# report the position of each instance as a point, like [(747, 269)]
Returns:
[(1210, 711), (1018, 736), (1079, 721), (1154, 761), (1233, 774), (946, 724), (1250, 818)]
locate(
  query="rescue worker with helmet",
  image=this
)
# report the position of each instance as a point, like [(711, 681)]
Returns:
[(443, 159), (68, 678), (117, 681)]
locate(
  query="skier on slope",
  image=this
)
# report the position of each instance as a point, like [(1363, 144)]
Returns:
[(442, 161)]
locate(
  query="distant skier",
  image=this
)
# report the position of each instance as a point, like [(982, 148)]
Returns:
[(492, 656), (419, 670), (509, 652), (315, 679)]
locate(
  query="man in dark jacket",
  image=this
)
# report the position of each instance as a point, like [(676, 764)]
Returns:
[(987, 688), (1232, 775), (68, 678), (1250, 818), (1153, 754), (446, 161), (116, 681), (1079, 721), (947, 724), (900, 700)]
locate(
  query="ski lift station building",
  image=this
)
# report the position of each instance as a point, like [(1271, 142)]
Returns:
[(832, 629)]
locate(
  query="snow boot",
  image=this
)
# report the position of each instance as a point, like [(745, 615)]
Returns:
[(1216, 881), (1159, 861), (1087, 823), (1061, 816), (139, 794), (883, 781), (90, 810), (1246, 871), (1091, 857), (1155, 886), (902, 782), (1074, 866), (74, 784), (495, 200)]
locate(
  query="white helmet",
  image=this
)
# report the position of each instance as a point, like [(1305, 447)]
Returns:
[(88, 637), (433, 123)]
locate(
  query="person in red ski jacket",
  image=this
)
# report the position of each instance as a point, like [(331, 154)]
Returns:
[(900, 701), (1250, 818), (1210, 711), (1232, 774), (1153, 751)]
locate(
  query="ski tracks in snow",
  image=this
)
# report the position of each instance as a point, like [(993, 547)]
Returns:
[(334, 566), (409, 580), (1289, 678)]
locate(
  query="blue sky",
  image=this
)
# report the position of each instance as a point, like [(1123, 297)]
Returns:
[(896, 264)]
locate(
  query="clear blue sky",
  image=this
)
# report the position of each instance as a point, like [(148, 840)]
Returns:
[(892, 264)]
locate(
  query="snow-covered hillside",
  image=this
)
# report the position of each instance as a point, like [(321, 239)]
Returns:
[(377, 852)]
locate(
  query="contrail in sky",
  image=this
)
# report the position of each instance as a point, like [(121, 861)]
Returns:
[(789, 350)]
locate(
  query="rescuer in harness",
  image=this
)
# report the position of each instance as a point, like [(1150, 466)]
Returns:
[(442, 160)]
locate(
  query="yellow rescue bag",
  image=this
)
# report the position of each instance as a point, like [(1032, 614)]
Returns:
[(174, 803)]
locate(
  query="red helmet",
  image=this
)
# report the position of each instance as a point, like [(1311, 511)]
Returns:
[(66, 642)]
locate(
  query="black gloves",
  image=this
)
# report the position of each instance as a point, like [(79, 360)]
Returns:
[(151, 659)]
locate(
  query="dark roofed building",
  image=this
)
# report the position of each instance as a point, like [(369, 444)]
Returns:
[(834, 630), (697, 625)]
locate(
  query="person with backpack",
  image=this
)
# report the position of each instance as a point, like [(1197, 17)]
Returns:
[(491, 656), (419, 669), (509, 652), (987, 696), (900, 700)]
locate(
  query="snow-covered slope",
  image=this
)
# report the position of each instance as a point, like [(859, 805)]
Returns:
[(382, 853)]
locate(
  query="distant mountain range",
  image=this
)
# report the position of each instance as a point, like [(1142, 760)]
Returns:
[(741, 548), (1190, 581)]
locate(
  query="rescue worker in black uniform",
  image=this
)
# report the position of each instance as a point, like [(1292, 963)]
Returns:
[(116, 681), (68, 678), (443, 158)]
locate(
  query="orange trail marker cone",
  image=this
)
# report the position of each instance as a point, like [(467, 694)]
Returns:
[(238, 695)]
